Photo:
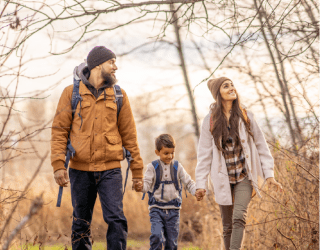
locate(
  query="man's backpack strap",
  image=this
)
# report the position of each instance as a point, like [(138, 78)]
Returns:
[(75, 99), (70, 151), (118, 98), (126, 155)]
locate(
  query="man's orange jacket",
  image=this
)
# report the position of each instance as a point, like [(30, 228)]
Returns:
[(98, 143)]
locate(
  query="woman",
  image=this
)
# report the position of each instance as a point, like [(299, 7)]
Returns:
[(233, 150)]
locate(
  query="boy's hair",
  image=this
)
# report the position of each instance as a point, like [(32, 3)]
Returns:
[(165, 140)]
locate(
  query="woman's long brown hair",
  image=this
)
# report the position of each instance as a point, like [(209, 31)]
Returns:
[(219, 128)]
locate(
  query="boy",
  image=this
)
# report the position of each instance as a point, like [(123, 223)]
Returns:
[(163, 182)]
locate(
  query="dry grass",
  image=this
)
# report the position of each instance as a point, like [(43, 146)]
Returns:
[(278, 221)]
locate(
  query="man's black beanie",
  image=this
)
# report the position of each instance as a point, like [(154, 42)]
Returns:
[(99, 55)]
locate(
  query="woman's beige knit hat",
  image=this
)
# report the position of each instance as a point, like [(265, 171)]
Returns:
[(215, 84)]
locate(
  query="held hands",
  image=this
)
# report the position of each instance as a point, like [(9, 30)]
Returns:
[(200, 193), (272, 183), (61, 177), (137, 185)]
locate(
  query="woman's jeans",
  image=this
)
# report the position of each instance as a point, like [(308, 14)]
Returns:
[(84, 188), (234, 216), (164, 228)]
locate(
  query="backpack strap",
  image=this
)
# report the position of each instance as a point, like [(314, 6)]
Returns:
[(175, 179), (174, 174), (118, 98), (158, 169), (70, 151), (126, 154), (75, 99)]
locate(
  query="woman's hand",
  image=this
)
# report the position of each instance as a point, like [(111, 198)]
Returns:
[(200, 193), (273, 183)]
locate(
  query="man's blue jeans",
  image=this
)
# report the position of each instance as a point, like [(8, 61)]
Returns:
[(164, 228), (84, 188)]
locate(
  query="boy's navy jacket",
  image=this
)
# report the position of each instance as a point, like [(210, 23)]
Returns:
[(167, 192)]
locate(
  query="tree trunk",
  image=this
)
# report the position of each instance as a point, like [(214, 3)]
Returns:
[(284, 80), (185, 72), (283, 91)]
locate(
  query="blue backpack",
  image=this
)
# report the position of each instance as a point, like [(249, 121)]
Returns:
[(174, 176), (75, 99)]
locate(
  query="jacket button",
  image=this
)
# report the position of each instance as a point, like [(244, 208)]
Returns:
[(247, 156), (96, 117), (165, 176), (95, 149), (165, 169), (242, 140)]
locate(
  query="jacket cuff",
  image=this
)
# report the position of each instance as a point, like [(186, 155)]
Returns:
[(193, 192), (268, 173), (137, 173), (57, 165)]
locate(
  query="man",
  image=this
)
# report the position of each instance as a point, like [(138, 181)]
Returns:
[(97, 135)]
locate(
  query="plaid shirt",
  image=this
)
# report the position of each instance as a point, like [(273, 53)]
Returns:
[(234, 161)]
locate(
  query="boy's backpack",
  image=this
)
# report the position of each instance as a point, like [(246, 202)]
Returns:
[(174, 176), (75, 99)]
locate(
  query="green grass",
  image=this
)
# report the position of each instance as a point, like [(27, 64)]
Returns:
[(191, 247), (96, 246), (135, 243)]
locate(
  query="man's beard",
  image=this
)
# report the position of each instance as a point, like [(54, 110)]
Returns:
[(108, 79)]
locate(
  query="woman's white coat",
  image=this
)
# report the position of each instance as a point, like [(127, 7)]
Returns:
[(259, 161)]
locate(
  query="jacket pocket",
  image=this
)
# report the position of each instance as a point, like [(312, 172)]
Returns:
[(85, 108), (111, 114), (113, 147), (81, 144)]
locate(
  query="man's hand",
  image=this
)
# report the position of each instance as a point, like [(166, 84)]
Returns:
[(273, 183), (61, 177), (137, 185), (200, 193)]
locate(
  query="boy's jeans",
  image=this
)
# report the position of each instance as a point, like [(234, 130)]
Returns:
[(164, 228), (84, 188)]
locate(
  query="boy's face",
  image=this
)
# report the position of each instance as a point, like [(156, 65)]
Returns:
[(166, 154)]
